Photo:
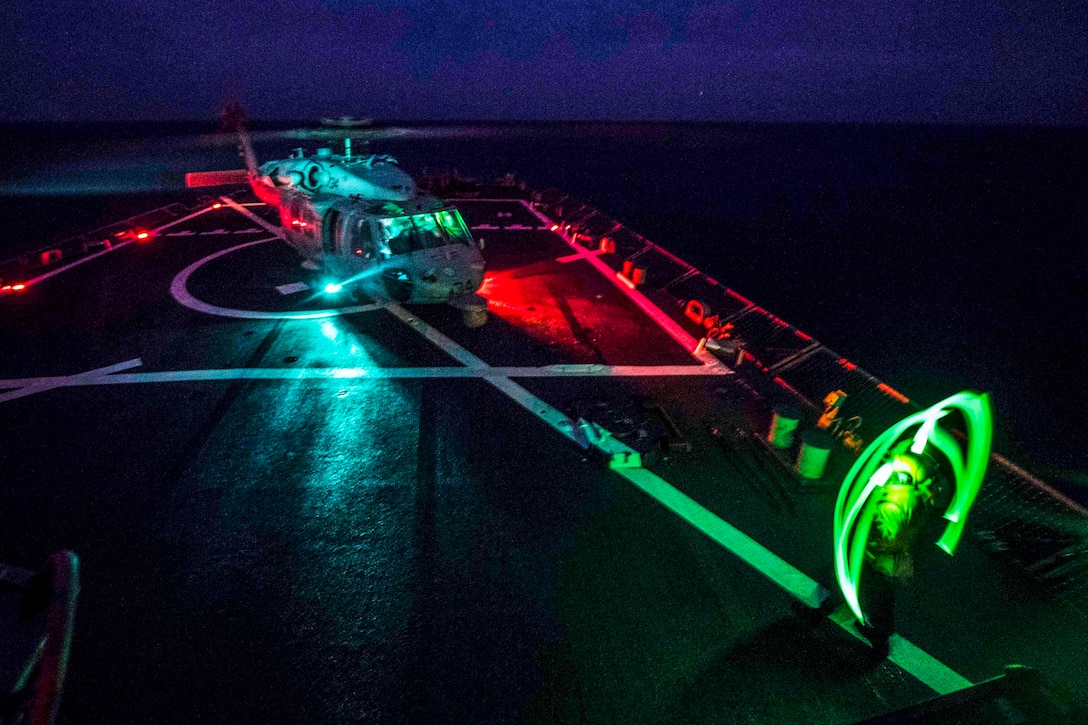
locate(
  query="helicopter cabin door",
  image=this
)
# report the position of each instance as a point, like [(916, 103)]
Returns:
[(332, 241), (363, 253)]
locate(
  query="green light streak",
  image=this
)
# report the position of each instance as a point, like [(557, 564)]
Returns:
[(853, 518)]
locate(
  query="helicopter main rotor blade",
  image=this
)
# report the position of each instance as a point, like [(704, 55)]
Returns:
[(195, 179)]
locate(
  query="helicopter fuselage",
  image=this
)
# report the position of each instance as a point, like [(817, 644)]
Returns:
[(364, 223)]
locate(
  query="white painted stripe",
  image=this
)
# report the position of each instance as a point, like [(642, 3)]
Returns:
[(666, 323), (183, 233), (32, 386), (927, 669), (795, 582), (271, 229), (520, 227), (213, 232), (290, 289), (251, 230), (186, 218), (485, 226), (254, 203), (553, 417), (111, 369), (179, 290), (451, 348), (911, 658), (113, 375), (798, 584)]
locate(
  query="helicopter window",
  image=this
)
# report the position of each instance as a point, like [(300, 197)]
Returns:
[(422, 231), (362, 239), (454, 225), (332, 240), (398, 234), (428, 233)]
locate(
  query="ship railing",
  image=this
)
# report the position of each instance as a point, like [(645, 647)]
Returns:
[(37, 260), (1038, 526)]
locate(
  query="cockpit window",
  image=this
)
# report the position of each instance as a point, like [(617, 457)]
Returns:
[(423, 231), (398, 234), (454, 225), (428, 233)]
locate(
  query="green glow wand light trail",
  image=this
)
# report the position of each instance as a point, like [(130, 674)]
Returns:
[(873, 469)]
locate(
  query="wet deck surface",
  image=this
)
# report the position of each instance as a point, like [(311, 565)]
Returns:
[(331, 520)]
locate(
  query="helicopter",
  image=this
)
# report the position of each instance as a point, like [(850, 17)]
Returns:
[(362, 220)]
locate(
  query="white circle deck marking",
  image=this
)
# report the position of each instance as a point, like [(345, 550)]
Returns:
[(179, 290)]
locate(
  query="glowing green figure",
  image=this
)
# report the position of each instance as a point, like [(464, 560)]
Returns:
[(873, 469)]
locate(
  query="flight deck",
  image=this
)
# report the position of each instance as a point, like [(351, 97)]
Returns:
[(295, 506)]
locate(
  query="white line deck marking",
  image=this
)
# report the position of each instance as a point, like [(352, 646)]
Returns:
[(903, 653), (179, 290), (909, 657), (113, 375), (251, 216), (795, 582), (186, 218), (928, 670), (290, 289), (31, 386), (666, 323), (553, 417)]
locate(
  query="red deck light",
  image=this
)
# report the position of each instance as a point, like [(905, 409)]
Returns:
[(217, 205), (555, 227), (18, 287), (143, 235)]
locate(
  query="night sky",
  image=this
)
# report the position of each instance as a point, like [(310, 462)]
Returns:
[(881, 60)]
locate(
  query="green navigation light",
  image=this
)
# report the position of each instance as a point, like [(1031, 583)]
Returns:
[(872, 470)]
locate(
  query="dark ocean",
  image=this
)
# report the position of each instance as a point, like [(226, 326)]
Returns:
[(937, 258)]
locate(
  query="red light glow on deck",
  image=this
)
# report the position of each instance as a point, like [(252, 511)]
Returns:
[(529, 304), (143, 235), (217, 205), (18, 287)]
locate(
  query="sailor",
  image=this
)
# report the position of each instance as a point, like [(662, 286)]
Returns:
[(900, 509)]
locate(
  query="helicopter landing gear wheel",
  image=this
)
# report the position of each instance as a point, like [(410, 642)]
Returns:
[(474, 317)]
